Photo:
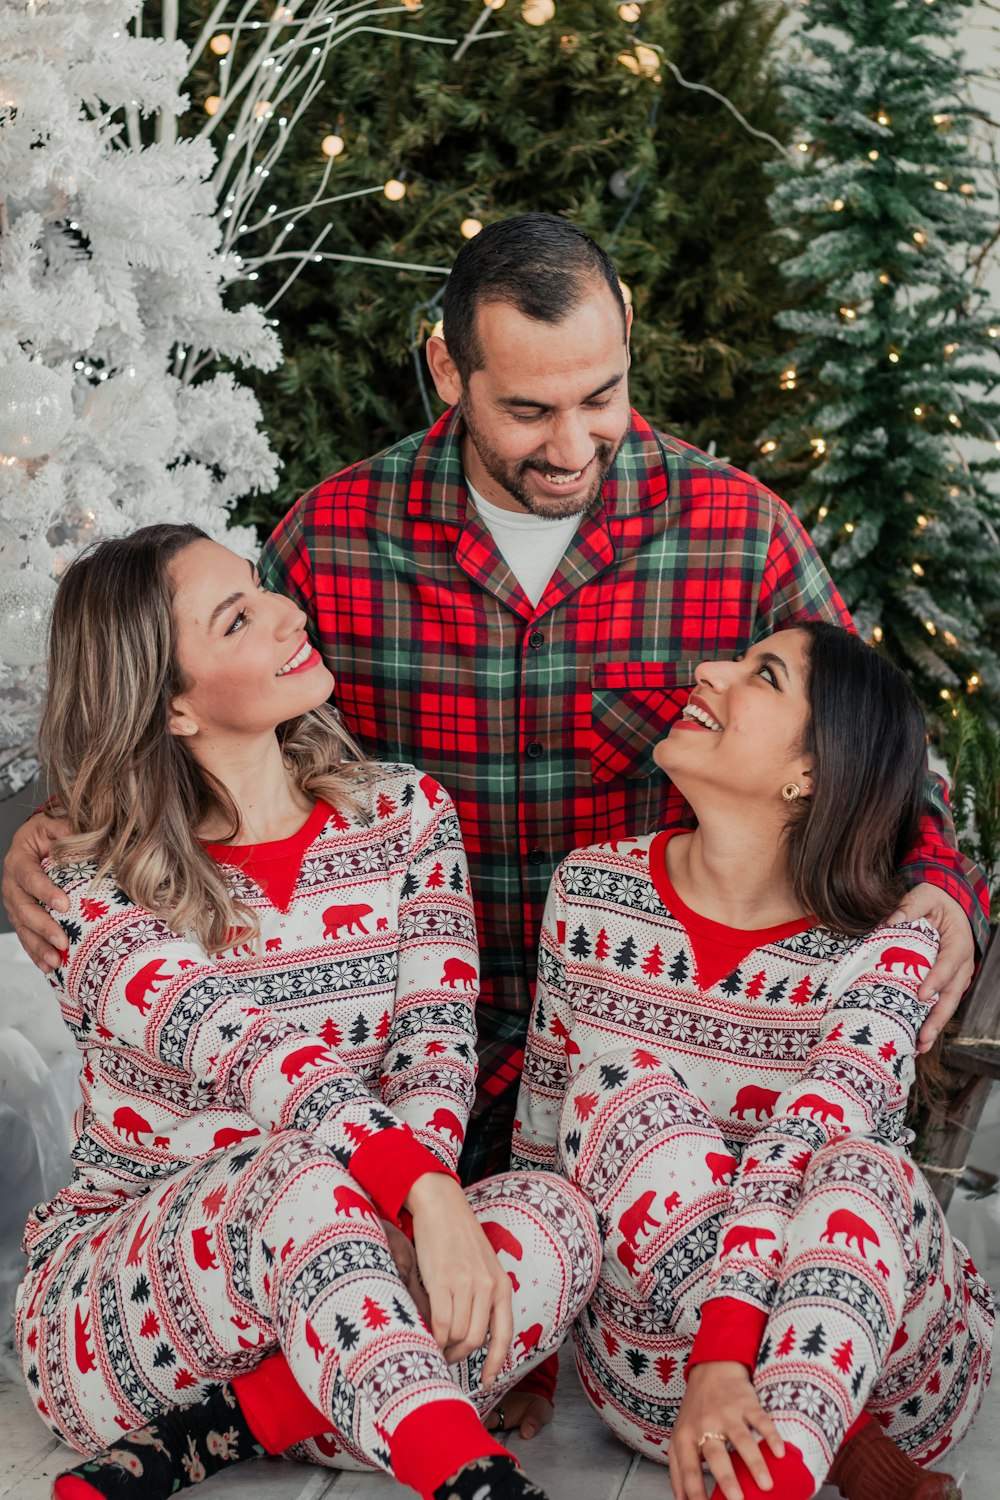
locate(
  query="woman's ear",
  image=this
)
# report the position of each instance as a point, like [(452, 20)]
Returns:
[(179, 720), (805, 779)]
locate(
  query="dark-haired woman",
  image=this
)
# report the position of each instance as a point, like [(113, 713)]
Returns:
[(270, 970), (720, 1052)]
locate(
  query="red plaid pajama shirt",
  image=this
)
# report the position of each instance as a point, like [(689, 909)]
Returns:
[(541, 721)]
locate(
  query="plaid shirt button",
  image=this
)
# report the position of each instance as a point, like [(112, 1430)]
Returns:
[(536, 639), (535, 856), (534, 749)]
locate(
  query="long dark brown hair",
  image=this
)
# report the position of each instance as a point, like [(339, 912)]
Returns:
[(132, 792), (868, 743)]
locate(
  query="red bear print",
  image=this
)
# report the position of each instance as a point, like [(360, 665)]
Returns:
[(311, 1056), (346, 1200), (336, 917), (227, 1136), (528, 1340), (447, 1123), (844, 1222), (761, 1101), (502, 1239), (457, 971), (672, 1202), (130, 1125), (743, 1237), (721, 1166), (637, 1219), (147, 981), (818, 1107), (431, 790), (908, 959), (204, 1255)]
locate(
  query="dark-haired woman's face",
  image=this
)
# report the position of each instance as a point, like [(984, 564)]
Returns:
[(243, 651), (744, 724)]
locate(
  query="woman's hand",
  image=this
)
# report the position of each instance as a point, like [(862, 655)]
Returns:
[(469, 1291), (523, 1413), (27, 891), (720, 1398), (405, 1257), (952, 973)]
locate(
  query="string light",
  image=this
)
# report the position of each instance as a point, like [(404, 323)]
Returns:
[(537, 12), (973, 682), (918, 570), (873, 155), (951, 639), (949, 350), (769, 446), (332, 145), (953, 418), (918, 411), (221, 44), (877, 634), (930, 627), (630, 12), (818, 445), (945, 694), (394, 190), (954, 491), (885, 278), (848, 314), (921, 521), (823, 512), (849, 527), (993, 332), (942, 120), (469, 228), (968, 188), (893, 356), (642, 61), (493, 4), (883, 118), (212, 104), (788, 378), (803, 146), (837, 205), (942, 187), (919, 238)]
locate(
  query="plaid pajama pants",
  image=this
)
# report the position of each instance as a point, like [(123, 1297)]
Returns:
[(902, 1332), (276, 1246)]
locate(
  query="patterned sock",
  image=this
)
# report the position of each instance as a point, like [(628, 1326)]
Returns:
[(869, 1466), (182, 1447), (495, 1477)]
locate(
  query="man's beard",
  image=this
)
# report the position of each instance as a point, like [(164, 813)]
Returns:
[(510, 477)]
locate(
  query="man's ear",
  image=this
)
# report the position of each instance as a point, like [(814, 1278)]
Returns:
[(628, 335), (444, 371)]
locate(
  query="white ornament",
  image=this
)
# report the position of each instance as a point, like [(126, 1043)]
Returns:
[(25, 604), (36, 408)]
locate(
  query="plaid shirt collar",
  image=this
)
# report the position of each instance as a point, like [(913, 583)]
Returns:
[(638, 482)]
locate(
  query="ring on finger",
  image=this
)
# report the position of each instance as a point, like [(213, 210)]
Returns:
[(501, 1421), (707, 1436)]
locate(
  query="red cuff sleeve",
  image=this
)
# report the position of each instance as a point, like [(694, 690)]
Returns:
[(729, 1329), (387, 1165), (541, 1381)]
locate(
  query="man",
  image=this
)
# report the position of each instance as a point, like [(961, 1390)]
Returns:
[(516, 599)]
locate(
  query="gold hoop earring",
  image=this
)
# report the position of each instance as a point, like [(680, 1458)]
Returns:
[(790, 791)]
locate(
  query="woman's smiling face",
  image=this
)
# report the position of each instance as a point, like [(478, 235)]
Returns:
[(744, 724), (243, 652)]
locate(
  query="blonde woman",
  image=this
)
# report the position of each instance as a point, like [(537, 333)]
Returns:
[(269, 970)]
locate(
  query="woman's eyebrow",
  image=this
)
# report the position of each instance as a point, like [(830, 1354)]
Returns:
[(770, 659), (233, 598)]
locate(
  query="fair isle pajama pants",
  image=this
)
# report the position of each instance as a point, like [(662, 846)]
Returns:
[(276, 1246), (905, 1337)]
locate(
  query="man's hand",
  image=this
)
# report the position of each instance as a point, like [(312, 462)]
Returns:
[(469, 1291), (523, 1413), (952, 973), (27, 890), (720, 1398)]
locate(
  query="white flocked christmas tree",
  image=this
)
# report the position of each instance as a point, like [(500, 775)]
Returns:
[(112, 275)]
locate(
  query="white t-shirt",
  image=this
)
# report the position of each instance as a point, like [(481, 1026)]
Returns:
[(531, 546)]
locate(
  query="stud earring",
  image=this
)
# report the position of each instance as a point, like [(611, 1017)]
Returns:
[(790, 791)]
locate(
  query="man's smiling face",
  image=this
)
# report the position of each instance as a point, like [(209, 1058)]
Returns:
[(548, 410)]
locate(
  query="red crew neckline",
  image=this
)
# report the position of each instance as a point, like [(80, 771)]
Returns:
[(718, 948), (274, 865)]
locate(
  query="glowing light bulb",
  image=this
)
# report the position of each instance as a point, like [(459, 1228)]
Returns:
[(942, 187), (769, 446), (921, 520), (918, 411), (394, 190), (221, 44), (993, 332), (919, 238), (877, 634), (873, 155), (930, 627), (332, 145), (918, 570), (837, 205), (949, 350), (967, 188), (885, 278), (818, 446), (951, 639), (953, 418), (849, 527), (630, 12), (941, 119), (493, 4), (537, 12), (893, 357), (469, 228), (823, 512), (803, 146), (973, 682), (212, 104), (883, 118)]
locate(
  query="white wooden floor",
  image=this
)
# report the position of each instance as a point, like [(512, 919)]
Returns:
[(574, 1459)]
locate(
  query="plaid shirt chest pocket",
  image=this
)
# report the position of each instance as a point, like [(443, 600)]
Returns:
[(633, 704)]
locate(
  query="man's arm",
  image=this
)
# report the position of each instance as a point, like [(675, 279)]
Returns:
[(27, 891)]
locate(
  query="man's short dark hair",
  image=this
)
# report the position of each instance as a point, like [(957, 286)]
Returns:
[(541, 264)]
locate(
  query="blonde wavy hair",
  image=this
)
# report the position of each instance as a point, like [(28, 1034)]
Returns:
[(131, 791)]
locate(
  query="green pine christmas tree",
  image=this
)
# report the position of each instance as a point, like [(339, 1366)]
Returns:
[(894, 364), (566, 106)]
